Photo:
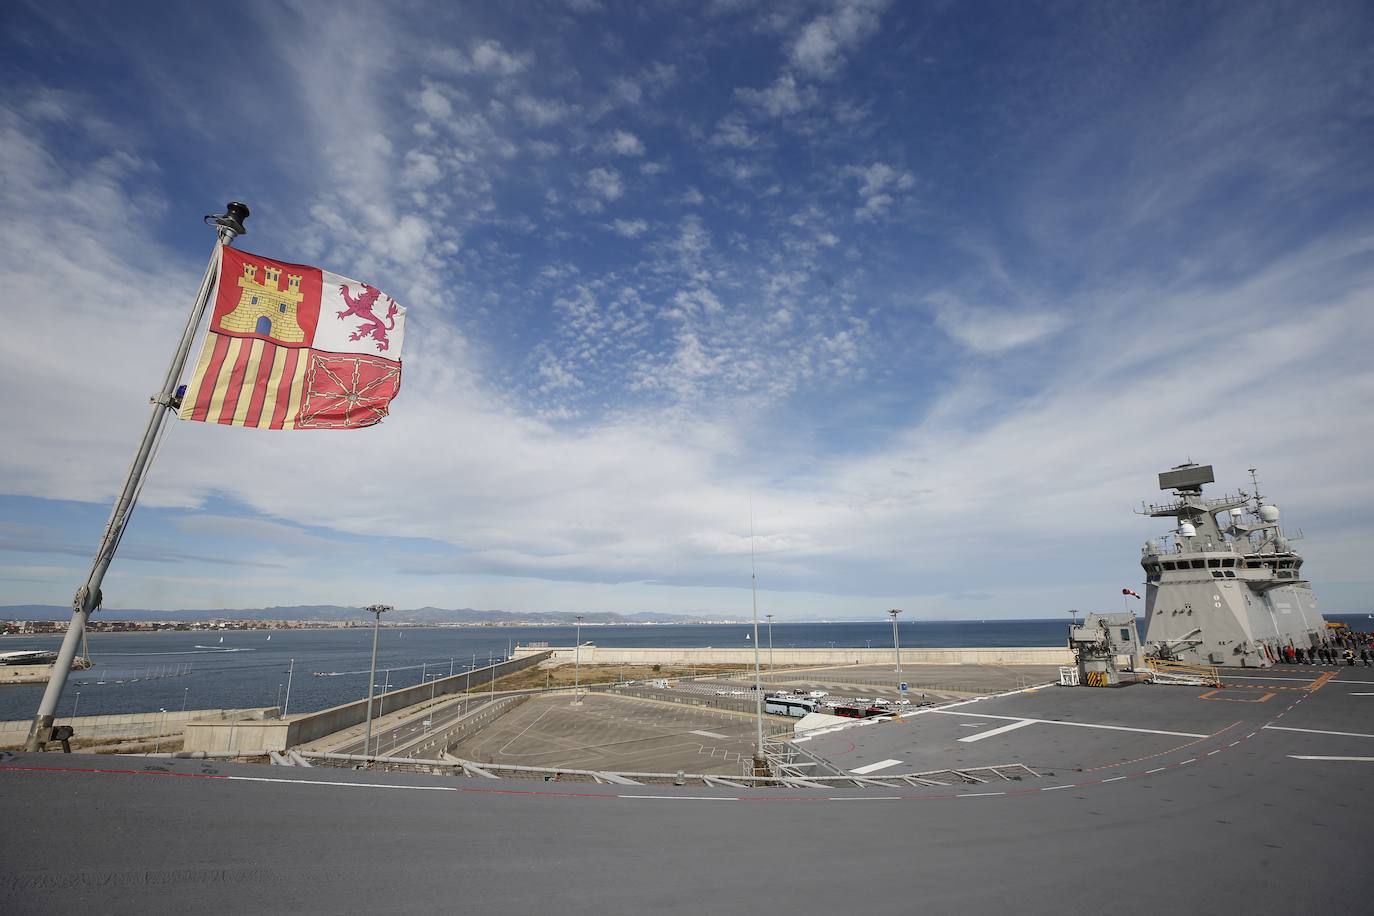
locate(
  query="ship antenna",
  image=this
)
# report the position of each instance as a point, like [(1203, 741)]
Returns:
[(1254, 486)]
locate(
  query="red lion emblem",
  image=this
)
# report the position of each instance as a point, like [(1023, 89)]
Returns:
[(362, 308)]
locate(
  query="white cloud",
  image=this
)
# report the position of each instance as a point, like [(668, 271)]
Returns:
[(421, 169), (821, 48), (605, 183), (994, 330), (879, 183), (624, 143), (733, 132), (433, 103), (783, 97), (540, 112), (489, 57), (630, 228)]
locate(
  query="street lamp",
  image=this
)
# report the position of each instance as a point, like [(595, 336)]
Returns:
[(770, 641), (577, 664), (897, 651), (377, 610)]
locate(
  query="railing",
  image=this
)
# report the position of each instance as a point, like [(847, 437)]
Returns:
[(455, 767)]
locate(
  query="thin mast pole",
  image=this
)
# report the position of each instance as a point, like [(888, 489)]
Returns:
[(228, 227), (758, 681)]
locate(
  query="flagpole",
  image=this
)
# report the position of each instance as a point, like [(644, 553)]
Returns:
[(228, 226)]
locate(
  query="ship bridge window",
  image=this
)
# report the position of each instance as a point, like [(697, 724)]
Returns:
[(1169, 564), (1230, 574), (1228, 562), (1199, 564), (1216, 574), (1285, 564), (1253, 564), (1214, 563)]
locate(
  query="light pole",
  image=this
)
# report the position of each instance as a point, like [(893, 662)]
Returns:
[(577, 664), (185, 695), (897, 651), (770, 641), (160, 729), (290, 672), (377, 610), (77, 704)]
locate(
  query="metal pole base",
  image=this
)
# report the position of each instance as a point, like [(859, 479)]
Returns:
[(44, 733)]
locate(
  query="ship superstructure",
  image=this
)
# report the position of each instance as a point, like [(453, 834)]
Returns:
[(1225, 587)]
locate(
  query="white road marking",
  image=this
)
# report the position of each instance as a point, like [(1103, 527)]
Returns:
[(1318, 731), (1001, 729), (1114, 779), (681, 797), (873, 767), (980, 794), (1155, 770), (971, 724), (1052, 788), (349, 785), (1359, 759), (705, 734), (1117, 728), (1362, 694)]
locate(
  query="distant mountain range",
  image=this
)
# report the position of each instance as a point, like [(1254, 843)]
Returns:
[(333, 612)]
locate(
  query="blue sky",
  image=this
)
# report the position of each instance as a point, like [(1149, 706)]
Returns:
[(936, 289)]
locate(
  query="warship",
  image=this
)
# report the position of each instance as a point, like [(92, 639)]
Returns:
[(1225, 587)]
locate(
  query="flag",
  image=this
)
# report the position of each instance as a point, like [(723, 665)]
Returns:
[(1127, 591), (295, 347)]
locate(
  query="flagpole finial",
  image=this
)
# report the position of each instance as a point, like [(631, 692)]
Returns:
[(231, 220)]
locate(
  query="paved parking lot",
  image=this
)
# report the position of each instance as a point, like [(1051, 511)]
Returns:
[(614, 733), (928, 682)]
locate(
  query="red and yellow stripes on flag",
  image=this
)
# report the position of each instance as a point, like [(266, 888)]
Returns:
[(243, 381)]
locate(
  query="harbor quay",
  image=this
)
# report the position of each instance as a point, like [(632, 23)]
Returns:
[(591, 654)]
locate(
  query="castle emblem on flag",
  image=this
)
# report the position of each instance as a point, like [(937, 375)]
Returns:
[(294, 347), (265, 308)]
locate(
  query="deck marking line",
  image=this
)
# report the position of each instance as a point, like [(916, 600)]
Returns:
[(1155, 770), (350, 785), (980, 794), (999, 730), (1052, 788), (873, 767), (1117, 728), (1114, 779), (682, 797), (706, 734), (1184, 762), (1309, 757), (1318, 731)]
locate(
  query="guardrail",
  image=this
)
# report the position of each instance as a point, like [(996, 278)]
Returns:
[(444, 738)]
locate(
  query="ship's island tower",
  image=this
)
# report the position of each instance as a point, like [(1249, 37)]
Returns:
[(1224, 588)]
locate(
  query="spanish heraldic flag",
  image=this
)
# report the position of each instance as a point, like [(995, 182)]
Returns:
[(295, 347)]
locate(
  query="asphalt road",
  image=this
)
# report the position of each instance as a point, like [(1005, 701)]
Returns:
[(1251, 828)]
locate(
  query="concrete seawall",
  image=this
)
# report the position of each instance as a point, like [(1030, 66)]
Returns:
[(597, 655), (130, 724), (279, 734)]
